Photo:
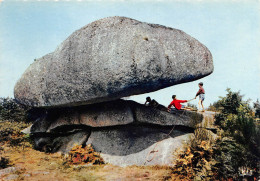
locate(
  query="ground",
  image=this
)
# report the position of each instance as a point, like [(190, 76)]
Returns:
[(34, 165)]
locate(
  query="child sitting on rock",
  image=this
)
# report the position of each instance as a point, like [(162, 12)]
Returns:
[(155, 104), (150, 102), (177, 104)]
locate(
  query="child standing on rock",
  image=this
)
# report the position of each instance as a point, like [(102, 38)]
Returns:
[(201, 94)]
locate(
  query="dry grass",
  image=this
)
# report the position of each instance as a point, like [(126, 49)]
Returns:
[(35, 165), (196, 162)]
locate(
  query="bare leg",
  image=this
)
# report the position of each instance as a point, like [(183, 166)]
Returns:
[(186, 108), (202, 106), (199, 105)]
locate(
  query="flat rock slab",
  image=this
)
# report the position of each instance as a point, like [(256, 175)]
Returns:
[(8, 170), (113, 113), (112, 58), (150, 115), (11, 177), (132, 145)]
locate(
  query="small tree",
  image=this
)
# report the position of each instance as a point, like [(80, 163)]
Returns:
[(11, 110), (257, 109), (216, 106), (192, 106), (240, 135)]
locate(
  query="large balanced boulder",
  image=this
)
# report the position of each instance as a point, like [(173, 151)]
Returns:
[(112, 58)]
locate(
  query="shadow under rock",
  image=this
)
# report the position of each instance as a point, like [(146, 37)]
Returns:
[(130, 139)]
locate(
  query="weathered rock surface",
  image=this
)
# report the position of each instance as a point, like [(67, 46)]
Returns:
[(130, 145), (123, 131), (145, 114), (60, 142), (8, 170), (113, 113), (112, 58)]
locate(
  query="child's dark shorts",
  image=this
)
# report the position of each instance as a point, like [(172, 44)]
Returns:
[(202, 97)]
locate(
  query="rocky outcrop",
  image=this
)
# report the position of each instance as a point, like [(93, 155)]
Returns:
[(60, 141), (113, 113), (76, 91), (112, 58), (131, 145), (126, 140)]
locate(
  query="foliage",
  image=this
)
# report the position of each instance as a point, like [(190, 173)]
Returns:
[(193, 106), (196, 162), (237, 146), (10, 133), (12, 111), (216, 107), (229, 157), (257, 108), (79, 155), (240, 144), (4, 162)]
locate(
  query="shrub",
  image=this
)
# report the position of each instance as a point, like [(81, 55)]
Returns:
[(239, 145), (4, 162), (216, 107), (257, 109), (10, 133), (196, 163), (12, 111), (229, 157), (79, 155)]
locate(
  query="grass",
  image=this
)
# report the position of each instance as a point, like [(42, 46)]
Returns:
[(52, 167)]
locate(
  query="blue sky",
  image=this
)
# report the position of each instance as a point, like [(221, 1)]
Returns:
[(230, 29)]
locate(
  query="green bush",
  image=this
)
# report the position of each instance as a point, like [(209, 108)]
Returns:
[(236, 147), (257, 109), (12, 111), (239, 145), (229, 157), (216, 107)]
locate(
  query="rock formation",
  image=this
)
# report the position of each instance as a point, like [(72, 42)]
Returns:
[(112, 58), (123, 131), (77, 90)]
